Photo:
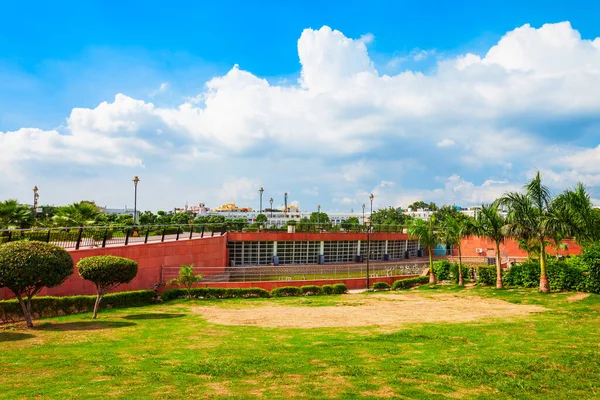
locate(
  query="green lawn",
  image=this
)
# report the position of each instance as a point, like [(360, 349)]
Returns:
[(169, 351)]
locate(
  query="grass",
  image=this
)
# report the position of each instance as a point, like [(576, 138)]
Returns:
[(167, 351)]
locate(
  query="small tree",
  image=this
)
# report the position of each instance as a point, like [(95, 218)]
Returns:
[(186, 278), (28, 267), (106, 272)]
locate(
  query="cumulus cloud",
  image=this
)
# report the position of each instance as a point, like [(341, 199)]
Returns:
[(493, 110)]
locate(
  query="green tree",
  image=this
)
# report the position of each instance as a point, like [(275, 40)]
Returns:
[(14, 215), (536, 218), (427, 234), (421, 204), (389, 216), (182, 218), (446, 211), (491, 224), (455, 228), (237, 224), (261, 219), (163, 218), (320, 220), (106, 272), (26, 267), (147, 218), (186, 278), (351, 223), (79, 214)]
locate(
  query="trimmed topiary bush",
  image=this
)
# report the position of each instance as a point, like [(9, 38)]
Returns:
[(311, 290), (27, 267), (381, 286), (410, 282), (286, 291), (340, 288), (442, 270), (327, 289), (106, 272)]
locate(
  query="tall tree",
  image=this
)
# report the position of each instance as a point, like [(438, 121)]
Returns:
[(454, 229), (536, 218), (427, 234), (389, 216), (79, 214), (491, 224), (14, 215)]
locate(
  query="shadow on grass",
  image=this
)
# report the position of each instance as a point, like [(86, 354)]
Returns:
[(84, 326), (153, 316), (14, 336)]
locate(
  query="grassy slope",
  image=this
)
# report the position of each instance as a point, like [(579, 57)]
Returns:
[(165, 351)]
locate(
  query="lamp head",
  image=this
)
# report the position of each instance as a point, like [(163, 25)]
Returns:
[(136, 179), (371, 197)]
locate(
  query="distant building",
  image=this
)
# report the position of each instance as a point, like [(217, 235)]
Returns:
[(198, 209), (120, 211)]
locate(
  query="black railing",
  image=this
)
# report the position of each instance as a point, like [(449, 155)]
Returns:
[(102, 236)]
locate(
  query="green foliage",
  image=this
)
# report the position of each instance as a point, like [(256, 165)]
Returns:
[(410, 282), (186, 278), (381, 286), (340, 288), (327, 289), (389, 216), (421, 204), (51, 306), (466, 272), (442, 270), (351, 224), (286, 291), (486, 275), (78, 214), (591, 259), (215, 293), (261, 219), (106, 272), (311, 290), (14, 215)]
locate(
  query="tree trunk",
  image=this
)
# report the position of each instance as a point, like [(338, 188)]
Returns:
[(431, 274), (544, 285), (26, 311), (97, 305), (461, 280), (499, 283)]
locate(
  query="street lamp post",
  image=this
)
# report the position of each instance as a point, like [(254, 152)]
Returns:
[(369, 239), (271, 201), (363, 206), (135, 183), (36, 196), (319, 216), (261, 193)]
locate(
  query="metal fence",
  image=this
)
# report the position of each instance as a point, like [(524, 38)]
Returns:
[(102, 236), (300, 272)]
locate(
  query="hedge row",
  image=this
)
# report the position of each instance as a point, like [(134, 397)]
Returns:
[(410, 282), (232, 293), (51, 306), (444, 270), (381, 286)]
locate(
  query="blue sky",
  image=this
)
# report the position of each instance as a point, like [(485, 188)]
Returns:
[(444, 127)]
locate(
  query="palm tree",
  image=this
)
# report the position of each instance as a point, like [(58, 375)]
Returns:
[(78, 214), (14, 215), (537, 219), (454, 229), (426, 233), (490, 224)]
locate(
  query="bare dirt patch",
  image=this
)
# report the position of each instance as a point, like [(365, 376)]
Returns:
[(578, 296), (383, 310)]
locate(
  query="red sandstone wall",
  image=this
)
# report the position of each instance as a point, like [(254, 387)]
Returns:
[(469, 246), (207, 252)]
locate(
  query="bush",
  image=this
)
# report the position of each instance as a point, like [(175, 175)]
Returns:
[(569, 274), (50, 306), (215, 293), (28, 266), (311, 290), (410, 282), (286, 291), (442, 270), (381, 286), (327, 289), (591, 259), (486, 275), (340, 288)]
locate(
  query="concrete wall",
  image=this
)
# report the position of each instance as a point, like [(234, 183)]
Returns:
[(510, 247), (310, 236)]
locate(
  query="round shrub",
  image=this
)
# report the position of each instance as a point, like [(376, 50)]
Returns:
[(340, 288), (441, 269), (286, 291), (27, 267), (311, 290), (327, 289), (381, 286), (410, 282)]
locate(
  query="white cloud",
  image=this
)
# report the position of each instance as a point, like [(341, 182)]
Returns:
[(491, 109)]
